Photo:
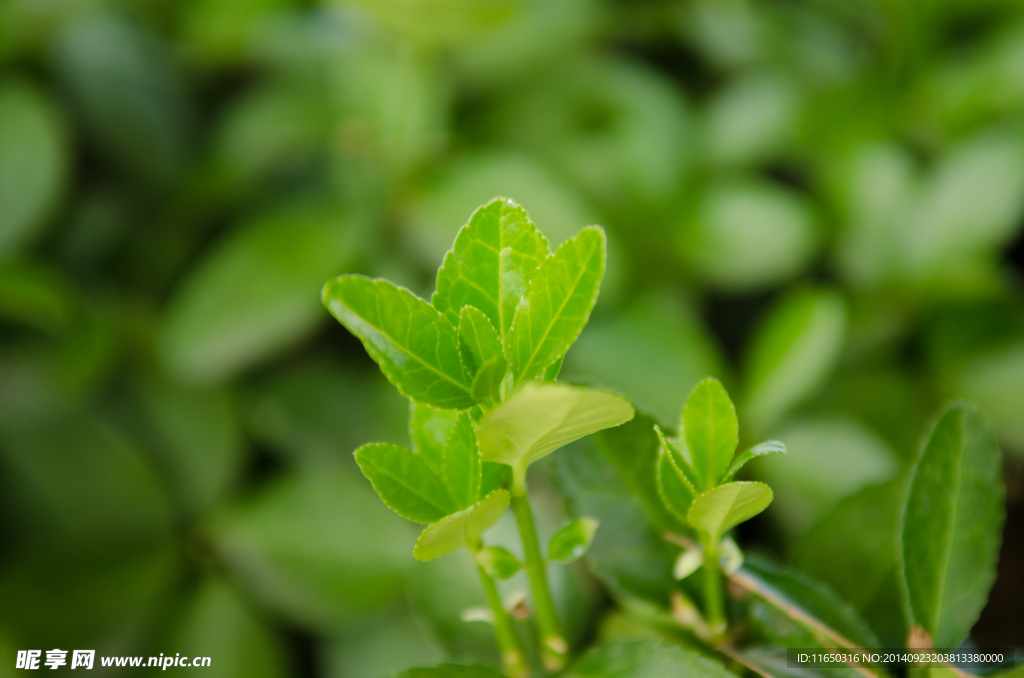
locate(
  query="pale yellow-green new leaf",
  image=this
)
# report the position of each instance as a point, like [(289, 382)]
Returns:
[(463, 528), (540, 418), (727, 506)]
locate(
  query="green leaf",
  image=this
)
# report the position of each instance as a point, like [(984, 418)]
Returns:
[(415, 346), (127, 93), (633, 450), (764, 449), (491, 264), (855, 549), (316, 545), (463, 528), (557, 305), (572, 541), (479, 343), (953, 524), (406, 482), (678, 460), (199, 441), (540, 418), (795, 589), (792, 353), (460, 467), (728, 505), (628, 554), (497, 562), (711, 430), (645, 659), (429, 428), (675, 491), (828, 458), (218, 623), (253, 293), (746, 234), (33, 163), (453, 671), (487, 383)]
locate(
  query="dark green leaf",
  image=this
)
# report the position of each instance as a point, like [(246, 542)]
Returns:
[(200, 441), (479, 343), (317, 546), (628, 554), (644, 659), (760, 450), (216, 623), (632, 448), (453, 671), (557, 305), (855, 549), (792, 352), (124, 84), (712, 431), (406, 482), (953, 524), (719, 510), (490, 267), (497, 562), (796, 589), (461, 529), (573, 540), (416, 347), (254, 293)]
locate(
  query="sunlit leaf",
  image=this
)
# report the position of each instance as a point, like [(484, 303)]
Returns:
[(760, 450), (673, 488), (406, 482), (461, 529), (711, 430), (540, 418), (573, 540), (415, 346), (728, 505), (497, 562), (460, 467), (479, 343), (557, 305), (952, 526), (491, 264)]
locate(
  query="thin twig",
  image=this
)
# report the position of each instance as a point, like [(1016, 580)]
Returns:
[(736, 656)]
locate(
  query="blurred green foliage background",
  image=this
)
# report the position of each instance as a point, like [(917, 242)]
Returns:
[(818, 201)]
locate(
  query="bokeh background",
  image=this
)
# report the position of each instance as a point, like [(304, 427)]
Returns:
[(818, 201)]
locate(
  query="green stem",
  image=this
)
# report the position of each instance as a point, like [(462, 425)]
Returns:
[(512, 657), (554, 649), (713, 600)]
